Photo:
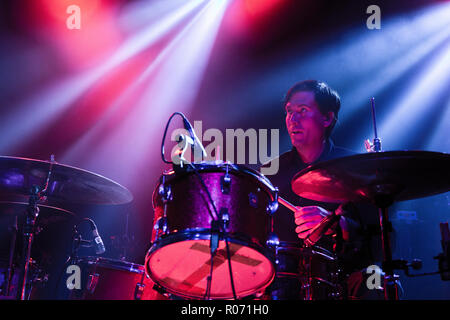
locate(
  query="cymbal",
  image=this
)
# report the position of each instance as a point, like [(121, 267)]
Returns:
[(380, 178), (47, 214), (66, 184)]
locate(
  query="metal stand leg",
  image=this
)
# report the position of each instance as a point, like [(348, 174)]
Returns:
[(28, 236), (12, 250), (390, 279)]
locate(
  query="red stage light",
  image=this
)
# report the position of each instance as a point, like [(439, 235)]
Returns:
[(245, 17), (81, 47), (57, 10), (261, 7)]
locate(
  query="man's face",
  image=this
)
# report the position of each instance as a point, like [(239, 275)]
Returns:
[(305, 123)]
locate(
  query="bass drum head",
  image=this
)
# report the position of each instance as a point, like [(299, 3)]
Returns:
[(183, 268)]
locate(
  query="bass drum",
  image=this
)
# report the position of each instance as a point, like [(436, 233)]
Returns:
[(108, 279), (205, 206)]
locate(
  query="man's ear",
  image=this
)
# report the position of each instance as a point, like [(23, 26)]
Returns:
[(328, 119)]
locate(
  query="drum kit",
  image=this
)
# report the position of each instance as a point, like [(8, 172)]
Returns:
[(213, 225)]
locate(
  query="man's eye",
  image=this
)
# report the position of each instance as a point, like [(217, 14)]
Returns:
[(301, 110)]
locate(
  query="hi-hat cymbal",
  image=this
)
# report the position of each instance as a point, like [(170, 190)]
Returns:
[(66, 184), (375, 177), (47, 214)]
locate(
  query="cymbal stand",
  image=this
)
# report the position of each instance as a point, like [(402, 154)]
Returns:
[(28, 236), (36, 194), (12, 249), (382, 202), (390, 279)]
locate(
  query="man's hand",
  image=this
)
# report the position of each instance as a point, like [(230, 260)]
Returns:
[(306, 218)]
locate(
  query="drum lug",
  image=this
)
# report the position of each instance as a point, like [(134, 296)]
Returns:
[(225, 183), (165, 192), (272, 207), (273, 240), (161, 226), (225, 218), (138, 291)]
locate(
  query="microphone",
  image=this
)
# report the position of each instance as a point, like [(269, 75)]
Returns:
[(178, 156), (98, 242), (188, 127)]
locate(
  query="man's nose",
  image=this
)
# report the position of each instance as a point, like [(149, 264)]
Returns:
[(295, 118)]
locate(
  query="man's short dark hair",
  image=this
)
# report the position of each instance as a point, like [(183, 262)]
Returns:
[(327, 99)]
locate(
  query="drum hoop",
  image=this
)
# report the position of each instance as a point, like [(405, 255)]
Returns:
[(211, 168), (324, 254), (316, 250), (112, 264), (203, 234), (324, 281)]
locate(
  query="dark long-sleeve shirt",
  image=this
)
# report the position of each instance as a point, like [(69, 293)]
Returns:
[(359, 251)]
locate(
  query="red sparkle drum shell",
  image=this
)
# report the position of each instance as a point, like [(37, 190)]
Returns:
[(180, 260), (109, 279)]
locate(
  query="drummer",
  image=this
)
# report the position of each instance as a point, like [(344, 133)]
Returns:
[(311, 108)]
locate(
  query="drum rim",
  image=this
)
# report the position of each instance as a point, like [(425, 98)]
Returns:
[(115, 264), (314, 250), (205, 234), (215, 168)]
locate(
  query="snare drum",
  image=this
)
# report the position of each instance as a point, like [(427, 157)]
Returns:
[(305, 273), (225, 206), (108, 279)]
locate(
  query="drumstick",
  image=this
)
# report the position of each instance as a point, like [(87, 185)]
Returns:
[(287, 204), (319, 230)]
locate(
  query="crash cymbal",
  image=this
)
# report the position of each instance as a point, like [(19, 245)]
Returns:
[(375, 177), (66, 184), (47, 214)]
